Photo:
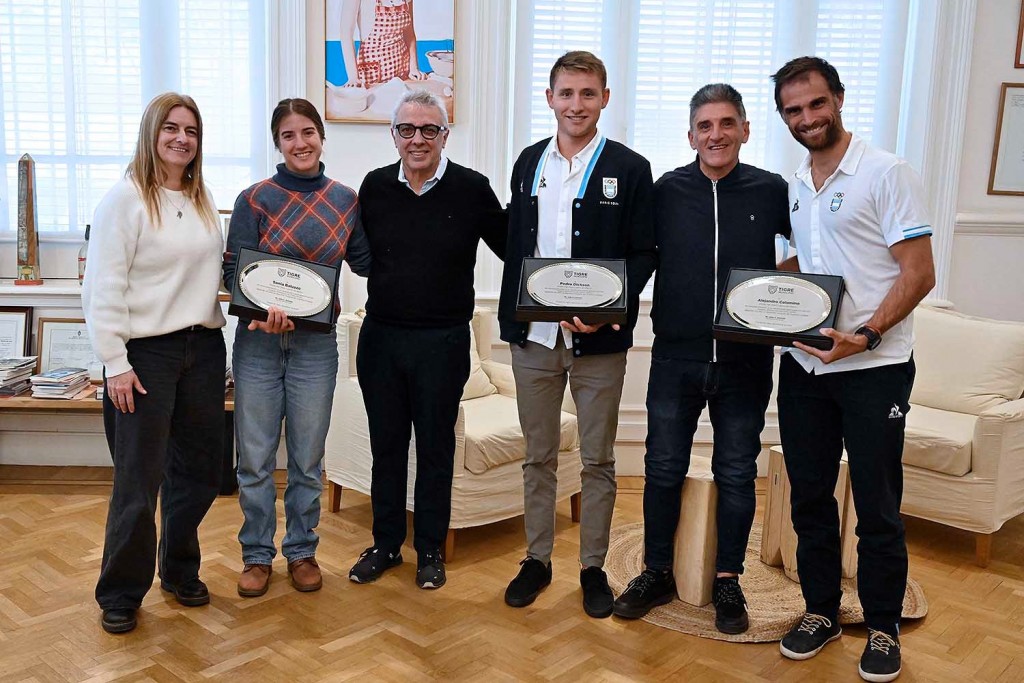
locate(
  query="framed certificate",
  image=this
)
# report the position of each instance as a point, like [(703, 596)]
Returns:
[(778, 307), (15, 331), (64, 343), (1006, 175), (554, 289)]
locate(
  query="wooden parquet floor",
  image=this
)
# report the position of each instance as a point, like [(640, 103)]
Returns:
[(51, 532)]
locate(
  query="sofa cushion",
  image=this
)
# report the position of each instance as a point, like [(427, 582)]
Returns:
[(966, 364), (493, 434), (939, 440), (478, 384)]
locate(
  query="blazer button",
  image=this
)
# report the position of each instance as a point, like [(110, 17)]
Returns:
[(577, 233), (577, 205)]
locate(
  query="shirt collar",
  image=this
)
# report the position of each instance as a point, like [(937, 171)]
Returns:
[(848, 164), (430, 182), (583, 156)]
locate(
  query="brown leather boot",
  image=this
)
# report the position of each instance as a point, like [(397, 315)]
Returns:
[(254, 580), (305, 575)]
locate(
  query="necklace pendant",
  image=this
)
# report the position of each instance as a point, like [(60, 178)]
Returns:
[(179, 214)]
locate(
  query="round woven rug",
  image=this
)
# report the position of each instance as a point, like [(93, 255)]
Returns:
[(773, 601)]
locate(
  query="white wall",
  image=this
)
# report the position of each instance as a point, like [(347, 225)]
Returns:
[(988, 244)]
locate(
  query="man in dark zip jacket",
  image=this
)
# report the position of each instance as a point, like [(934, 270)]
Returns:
[(710, 216), (576, 195)]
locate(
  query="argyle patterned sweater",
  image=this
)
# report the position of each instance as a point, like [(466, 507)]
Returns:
[(311, 218)]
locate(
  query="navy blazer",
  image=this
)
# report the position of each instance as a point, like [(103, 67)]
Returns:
[(616, 226)]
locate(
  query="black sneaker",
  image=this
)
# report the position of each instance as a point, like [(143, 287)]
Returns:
[(652, 588), (807, 638), (430, 571), (597, 595), (881, 659), (533, 577), (730, 605), (372, 563)]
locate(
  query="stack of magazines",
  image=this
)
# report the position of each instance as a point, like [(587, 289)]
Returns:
[(60, 383), (14, 374)]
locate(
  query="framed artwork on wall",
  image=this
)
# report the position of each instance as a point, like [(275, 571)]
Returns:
[(15, 331), (376, 50), (1006, 175)]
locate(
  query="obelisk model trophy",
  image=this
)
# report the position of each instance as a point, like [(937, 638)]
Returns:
[(28, 225)]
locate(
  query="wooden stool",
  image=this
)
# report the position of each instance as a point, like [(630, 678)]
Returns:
[(778, 539), (696, 541)]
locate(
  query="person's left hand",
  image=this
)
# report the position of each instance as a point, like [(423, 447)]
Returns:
[(277, 322), (578, 325), (416, 75), (843, 345)]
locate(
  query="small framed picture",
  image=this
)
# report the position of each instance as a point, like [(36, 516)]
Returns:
[(1006, 175), (15, 331), (1019, 61), (64, 343)]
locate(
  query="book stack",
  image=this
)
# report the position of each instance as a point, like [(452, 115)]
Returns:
[(59, 383), (14, 374)]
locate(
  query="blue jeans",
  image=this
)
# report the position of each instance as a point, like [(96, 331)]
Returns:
[(736, 395), (288, 376)]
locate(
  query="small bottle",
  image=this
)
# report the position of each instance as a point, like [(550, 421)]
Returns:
[(82, 254)]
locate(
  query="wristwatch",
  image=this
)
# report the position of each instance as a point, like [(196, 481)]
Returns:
[(873, 336)]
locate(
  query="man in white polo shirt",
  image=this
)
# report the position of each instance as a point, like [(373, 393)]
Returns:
[(858, 212)]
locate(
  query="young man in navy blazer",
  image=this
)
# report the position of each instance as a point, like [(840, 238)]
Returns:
[(575, 195)]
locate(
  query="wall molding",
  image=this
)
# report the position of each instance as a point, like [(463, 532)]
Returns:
[(990, 224)]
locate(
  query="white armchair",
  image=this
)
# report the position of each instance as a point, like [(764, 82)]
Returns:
[(963, 458), (489, 445)]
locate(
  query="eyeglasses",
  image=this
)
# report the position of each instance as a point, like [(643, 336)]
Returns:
[(429, 131)]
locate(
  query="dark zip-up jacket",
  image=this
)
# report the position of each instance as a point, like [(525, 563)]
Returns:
[(704, 228), (619, 226)]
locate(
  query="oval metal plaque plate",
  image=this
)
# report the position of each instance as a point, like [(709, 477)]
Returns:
[(292, 287), (778, 303), (574, 284)]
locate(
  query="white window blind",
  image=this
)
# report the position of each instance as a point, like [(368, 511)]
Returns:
[(659, 52), (75, 78)]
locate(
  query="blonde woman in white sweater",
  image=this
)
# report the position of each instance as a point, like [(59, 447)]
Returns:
[(150, 300)]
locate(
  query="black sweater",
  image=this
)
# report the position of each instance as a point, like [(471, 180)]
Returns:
[(424, 246), (752, 209), (619, 226)]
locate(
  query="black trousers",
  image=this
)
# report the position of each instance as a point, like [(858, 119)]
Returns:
[(865, 411), (172, 444), (412, 379)]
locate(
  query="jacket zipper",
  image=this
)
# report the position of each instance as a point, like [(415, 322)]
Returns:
[(714, 279)]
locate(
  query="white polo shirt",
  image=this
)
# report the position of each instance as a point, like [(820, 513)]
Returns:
[(872, 201), (557, 182)]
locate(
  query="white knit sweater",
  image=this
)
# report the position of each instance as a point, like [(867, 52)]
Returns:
[(144, 281)]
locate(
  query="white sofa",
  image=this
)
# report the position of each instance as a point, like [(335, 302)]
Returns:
[(489, 449), (963, 459)]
